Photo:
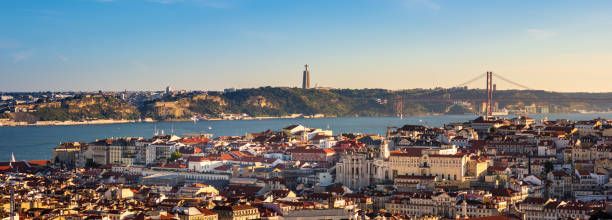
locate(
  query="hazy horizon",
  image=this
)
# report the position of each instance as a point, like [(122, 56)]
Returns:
[(135, 45), (292, 87)]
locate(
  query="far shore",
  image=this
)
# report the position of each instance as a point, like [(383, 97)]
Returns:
[(67, 123), (8, 123)]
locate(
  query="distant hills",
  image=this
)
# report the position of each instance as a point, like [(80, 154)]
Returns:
[(85, 107), (274, 101)]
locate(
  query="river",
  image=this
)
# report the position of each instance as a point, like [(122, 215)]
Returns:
[(36, 143)]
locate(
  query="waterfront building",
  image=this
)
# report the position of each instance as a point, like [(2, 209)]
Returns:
[(67, 154), (113, 151)]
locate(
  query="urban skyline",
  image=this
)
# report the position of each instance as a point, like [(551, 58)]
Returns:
[(202, 110), (211, 45)]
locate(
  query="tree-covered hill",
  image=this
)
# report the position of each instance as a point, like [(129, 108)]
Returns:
[(79, 108), (277, 101)]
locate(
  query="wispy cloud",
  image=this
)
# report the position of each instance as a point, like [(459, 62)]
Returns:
[(63, 58), (22, 55), (540, 34), (424, 3)]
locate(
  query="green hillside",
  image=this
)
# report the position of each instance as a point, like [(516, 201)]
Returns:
[(275, 101), (78, 108)]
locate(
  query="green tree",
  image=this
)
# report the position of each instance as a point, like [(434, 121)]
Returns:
[(175, 155), (90, 164), (548, 166)]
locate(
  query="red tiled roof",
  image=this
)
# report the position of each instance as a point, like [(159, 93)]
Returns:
[(496, 217), (190, 150), (497, 168), (241, 154), (584, 172), (502, 192), (220, 157), (311, 150), (223, 168), (533, 200), (195, 140), (459, 155), (207, 212), (408, 152), (197, 159), (246, 190), (559, 173)]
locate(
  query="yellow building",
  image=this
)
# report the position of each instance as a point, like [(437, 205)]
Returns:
[(237, 212), (477, 166), (591, 153), (193, 213), (197, 189), (67, 153), (602, 166), (360, 169), (450, 167)]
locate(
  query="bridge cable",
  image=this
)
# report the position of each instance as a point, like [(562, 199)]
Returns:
[(511, 82), (472, 80)]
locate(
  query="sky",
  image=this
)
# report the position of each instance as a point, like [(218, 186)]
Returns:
[(116, 45)]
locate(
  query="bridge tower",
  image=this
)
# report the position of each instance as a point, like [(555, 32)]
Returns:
[(489, 106), (399, 106)]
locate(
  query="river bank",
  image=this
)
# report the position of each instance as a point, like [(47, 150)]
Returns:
[(37, 142), (8, 123)]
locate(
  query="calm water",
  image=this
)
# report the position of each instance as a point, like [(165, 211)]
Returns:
[(35, 143)]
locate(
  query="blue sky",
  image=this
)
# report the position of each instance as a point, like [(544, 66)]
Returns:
[(214, 44)]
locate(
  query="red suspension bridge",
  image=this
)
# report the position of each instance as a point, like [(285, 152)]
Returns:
[(490, 98)]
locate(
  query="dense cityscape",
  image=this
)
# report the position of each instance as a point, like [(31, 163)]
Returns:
[(305, 110), (486, 168)]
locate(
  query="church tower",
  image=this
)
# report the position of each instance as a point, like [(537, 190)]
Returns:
[(384, 150)]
